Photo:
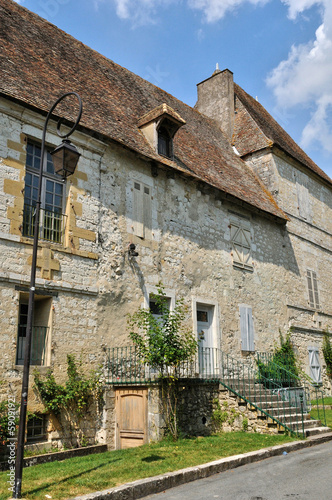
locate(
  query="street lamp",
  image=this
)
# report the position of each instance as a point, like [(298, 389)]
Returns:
[(65, 158)]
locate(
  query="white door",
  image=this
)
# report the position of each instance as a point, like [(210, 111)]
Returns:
[(206, 343)]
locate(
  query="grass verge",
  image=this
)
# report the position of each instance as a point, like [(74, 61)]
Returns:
[(328, 414), (76, 476), (327, 401)]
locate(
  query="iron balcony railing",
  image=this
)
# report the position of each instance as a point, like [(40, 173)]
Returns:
[(38, 345), (285, 405), (51, 224)]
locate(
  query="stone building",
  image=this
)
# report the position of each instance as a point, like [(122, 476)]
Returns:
[(223, 208)]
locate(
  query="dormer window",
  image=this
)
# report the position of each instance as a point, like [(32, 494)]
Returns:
[(164, 142), (159, 127)]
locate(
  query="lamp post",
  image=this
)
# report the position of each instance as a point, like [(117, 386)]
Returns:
[(65, 158)]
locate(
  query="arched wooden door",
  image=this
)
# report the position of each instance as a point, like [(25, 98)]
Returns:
[(131, 417)]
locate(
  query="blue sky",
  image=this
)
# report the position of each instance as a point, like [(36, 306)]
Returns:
[(280, 51)]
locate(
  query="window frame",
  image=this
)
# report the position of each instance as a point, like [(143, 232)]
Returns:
[(36, 438), (52, 221)]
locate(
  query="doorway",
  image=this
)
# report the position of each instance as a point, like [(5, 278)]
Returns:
[(131, 417), (207, 352)]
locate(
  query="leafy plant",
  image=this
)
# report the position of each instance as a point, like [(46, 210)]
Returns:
[(77, 395), (327, 353), (282, 369), (164, 342)]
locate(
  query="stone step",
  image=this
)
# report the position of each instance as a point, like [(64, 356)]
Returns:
[(317, 430)]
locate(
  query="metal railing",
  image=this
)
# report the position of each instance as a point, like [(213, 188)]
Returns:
[(51, 226), (284, 401), (38, 345)]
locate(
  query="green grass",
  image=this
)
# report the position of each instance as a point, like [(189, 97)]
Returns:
[(327, 401), (76, 476), (328, 415)]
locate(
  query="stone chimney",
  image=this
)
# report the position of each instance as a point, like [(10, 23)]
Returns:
[(215, 99)]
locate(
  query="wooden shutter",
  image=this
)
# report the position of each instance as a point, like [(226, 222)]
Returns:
[(303, 198), (313, 289), (142, 209), (138, 209), (147, 209), (314, 365), (247, 329), (241, 244)]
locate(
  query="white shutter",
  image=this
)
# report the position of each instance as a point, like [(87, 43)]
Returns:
[(138, 209), (247, 329), (241, 245), (313, 289), (303, 198), (147, 209), (314, 365)]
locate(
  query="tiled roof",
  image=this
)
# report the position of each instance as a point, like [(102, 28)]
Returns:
[(161, 111), (255, 129), (39, 62)]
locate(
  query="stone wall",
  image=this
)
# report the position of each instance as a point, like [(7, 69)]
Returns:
[(92, 283), (198, 403)]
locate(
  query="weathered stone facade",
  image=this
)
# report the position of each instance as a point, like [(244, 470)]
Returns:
[(206, 228)]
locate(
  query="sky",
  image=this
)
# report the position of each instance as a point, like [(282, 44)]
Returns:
[(280, 51)]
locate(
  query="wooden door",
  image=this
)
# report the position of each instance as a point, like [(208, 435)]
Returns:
[(131, 417)]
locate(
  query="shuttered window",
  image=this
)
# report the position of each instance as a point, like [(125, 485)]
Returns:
[(314, 365), (247, 328), (303, 198), (241, 246), (313, 289), (142, 209)]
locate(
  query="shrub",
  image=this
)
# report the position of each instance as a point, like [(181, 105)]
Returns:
[(282, 369), (327, 353)]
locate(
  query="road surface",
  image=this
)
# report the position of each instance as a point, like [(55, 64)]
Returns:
[(300, 475)]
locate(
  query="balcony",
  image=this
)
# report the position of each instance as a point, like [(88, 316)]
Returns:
[(51, 224)]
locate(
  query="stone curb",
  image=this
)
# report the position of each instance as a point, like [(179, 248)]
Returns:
[(143, 487)]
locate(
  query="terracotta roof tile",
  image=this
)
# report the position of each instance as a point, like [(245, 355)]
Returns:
[(256, 129), (39, 62)]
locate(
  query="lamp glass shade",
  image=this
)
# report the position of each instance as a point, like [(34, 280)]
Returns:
[(65, 158)]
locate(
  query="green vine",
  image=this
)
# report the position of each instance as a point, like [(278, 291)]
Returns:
[(77, 394), (327, 353)]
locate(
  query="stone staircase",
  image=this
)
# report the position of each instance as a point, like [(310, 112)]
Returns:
[(280, 413)]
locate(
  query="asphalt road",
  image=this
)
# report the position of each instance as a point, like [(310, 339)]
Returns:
[(300, 475)]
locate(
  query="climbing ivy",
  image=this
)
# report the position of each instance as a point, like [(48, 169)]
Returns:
[(78, 392)]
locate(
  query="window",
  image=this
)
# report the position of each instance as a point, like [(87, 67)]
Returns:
[(313, 289), (40, 334), (36, 428), (142, 209), (246, 328), (52, 197), (314, 365), (241, 246), (164, 142), (303, 197)]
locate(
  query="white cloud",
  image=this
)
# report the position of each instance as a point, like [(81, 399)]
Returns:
[(140, 12), (214, 10), (305, 77), (297, 6)]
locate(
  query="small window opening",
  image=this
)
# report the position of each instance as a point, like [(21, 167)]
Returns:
[(164, 142), (36, 428)]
